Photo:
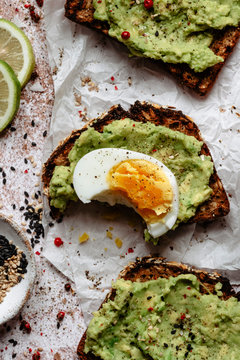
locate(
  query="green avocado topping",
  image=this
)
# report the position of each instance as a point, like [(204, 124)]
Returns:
[(165, 319), (174, 31), (179, 152)]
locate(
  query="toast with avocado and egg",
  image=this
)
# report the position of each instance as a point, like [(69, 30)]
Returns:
[(192, 42), (165, 310), (162, 132)]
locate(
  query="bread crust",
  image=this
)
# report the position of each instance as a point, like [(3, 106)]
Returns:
[(224, 41), (218, 204), (150, 268)]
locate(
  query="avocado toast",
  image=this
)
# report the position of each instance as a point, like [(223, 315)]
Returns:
[(217, 204), (179, 335), (222, 44)]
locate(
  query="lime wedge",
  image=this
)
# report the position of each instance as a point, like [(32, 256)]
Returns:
[(10, 90), (16, 50)]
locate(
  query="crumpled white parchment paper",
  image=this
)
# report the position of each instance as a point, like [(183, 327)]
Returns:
[(75, 53)]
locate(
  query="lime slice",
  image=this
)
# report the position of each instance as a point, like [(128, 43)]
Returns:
[(10, 90), (16, 50)]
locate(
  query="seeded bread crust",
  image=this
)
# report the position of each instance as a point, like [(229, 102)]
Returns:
[(216, 206), (81, 11), (149, 268)]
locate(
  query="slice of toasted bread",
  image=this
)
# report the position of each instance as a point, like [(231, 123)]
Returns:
[(216, 206), (81, 11), (149, 268)]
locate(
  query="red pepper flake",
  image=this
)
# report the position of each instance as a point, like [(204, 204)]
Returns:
[(80, 113), (99, 1), (41, 334), (134, 125), (148, 4), (27, 6), (130, 250), (34, 16), (60, 315), (189, 287), (51, 350), (154, 150), (112, 78), (39, 2), (16, 10), (58, 241), (184, 296), (115, 87), (6, 348), (30, 350), (44, 271), (25, 171), (25, 326), (150, 309), (189, 23), (125, 35), (183, 316), (36, 356), (37, 253)]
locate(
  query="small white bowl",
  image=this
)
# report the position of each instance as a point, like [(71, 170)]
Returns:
[(18, 294)]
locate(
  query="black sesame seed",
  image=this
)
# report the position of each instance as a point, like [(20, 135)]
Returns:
[(51, 224), (12, 168), (25, 161), (33, 123), (13, 206), (25, 136), (173, 332), (45, 133), (193, 337), (26, 193), (156, 33), (165, 345), (21, 208), (149, 297), (12, 128), (1, 169), (34, 144), (189, 347), (26, 201), (4, 174), (4, 181)]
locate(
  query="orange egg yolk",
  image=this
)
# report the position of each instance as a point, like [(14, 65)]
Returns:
[(145, 185)]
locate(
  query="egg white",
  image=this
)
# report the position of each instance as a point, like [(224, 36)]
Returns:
[(89, 181)]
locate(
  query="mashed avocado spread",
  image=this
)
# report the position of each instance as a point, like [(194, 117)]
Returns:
[(174, 31), (166, 319), (179, 152)]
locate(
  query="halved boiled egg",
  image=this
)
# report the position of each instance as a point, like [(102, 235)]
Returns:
[(119, 176)]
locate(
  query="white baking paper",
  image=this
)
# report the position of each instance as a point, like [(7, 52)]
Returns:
[(92, 73)]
